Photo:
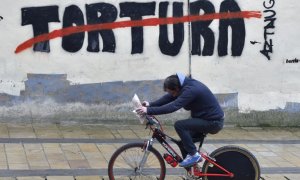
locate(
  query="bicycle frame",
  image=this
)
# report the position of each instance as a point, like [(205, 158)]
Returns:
[(212, 161), (161, 137)]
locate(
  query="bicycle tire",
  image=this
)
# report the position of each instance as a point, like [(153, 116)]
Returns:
[(235, 159), (125, 160)]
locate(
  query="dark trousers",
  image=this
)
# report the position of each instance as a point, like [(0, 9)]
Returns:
[(188, 128)]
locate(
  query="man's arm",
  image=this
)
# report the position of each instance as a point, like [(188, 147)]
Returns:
[(162, 101), (182, 100)]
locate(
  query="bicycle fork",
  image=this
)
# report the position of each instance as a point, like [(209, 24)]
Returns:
[(146, 147)]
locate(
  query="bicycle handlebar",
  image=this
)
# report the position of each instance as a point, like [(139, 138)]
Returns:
[(152, 121)]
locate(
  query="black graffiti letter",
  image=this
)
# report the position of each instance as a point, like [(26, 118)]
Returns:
[(136, 11), (101, 13), (268, 48), (39, 17), (201, 29), (238, 30), (165, 46), (271, 4), (74, 42), (269, 30)]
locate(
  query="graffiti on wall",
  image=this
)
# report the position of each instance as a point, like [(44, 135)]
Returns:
[(292, 60), (269, 19), (74, 26)]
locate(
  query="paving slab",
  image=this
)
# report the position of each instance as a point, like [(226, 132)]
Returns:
[(280, 177), (7, 178), (31, 178), (60, 178), (88, 178)]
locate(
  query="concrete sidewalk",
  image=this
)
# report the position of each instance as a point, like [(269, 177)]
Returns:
[(52, 151)]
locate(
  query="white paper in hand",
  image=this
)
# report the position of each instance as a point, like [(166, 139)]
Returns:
[(137, 104)]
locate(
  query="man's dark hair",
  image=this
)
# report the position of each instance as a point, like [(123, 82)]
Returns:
[(172, 83)]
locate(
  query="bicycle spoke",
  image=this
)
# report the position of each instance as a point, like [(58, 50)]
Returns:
[(127, 164), (131, 158)]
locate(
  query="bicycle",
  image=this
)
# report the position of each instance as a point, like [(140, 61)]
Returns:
[(143, 161)]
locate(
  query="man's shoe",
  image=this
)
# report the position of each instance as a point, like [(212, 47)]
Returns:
[(190, 160)]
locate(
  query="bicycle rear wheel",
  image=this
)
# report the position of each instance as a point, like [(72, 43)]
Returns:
[(124, 163), (237, 160)]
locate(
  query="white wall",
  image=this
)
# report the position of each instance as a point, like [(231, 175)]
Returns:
[(261, 84), (81, 67)]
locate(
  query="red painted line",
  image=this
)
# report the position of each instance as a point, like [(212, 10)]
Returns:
[(139, 23)]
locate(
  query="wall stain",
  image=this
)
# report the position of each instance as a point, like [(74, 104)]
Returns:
[(57, 88)]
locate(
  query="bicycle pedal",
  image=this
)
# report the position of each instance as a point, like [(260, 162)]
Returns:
[(195, 174), (195, 170)]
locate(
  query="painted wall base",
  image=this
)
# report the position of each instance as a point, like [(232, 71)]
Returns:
[(52, 99)]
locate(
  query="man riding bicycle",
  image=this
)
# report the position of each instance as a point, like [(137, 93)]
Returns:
[(190, 94)]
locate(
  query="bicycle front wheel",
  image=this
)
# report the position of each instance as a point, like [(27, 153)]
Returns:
[(126, 163), (234, 159)]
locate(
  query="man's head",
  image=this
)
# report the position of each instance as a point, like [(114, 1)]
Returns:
[(172, 85)]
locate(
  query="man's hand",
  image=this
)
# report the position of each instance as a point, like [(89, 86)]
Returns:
[(145, 103), (141, 111)]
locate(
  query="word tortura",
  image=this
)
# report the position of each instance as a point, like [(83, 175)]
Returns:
[(101, 20)]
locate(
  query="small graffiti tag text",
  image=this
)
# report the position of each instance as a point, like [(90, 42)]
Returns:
[(292, 60)]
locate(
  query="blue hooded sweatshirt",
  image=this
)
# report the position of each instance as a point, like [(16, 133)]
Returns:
[(193, 96)]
